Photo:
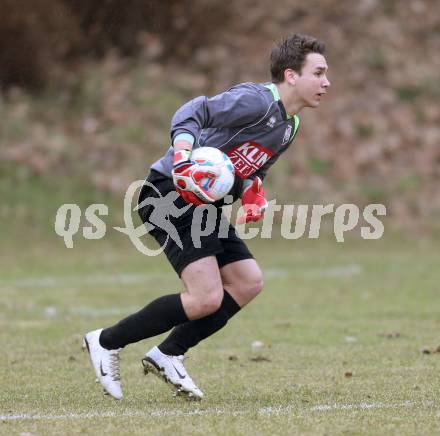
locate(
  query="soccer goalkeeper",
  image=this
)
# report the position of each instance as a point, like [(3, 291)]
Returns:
[(253, 123)]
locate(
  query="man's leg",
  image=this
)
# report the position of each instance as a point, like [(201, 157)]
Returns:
[(203, 296), (242, 281)]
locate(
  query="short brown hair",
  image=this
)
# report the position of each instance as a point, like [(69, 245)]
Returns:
[(291, 53)]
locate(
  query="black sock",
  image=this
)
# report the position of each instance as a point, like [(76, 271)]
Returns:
[(157, 317), (191, 333)]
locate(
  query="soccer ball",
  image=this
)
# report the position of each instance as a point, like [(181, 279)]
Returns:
[(213, 157)]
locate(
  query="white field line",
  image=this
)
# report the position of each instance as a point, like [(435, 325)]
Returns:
[(96, 313), (337, 271), (91, 279), (265, 411), (134, 279)]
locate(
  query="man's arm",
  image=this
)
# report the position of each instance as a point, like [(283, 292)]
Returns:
[(253, 197), (239, 106)]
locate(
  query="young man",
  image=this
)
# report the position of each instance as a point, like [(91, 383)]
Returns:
[(253, 124)]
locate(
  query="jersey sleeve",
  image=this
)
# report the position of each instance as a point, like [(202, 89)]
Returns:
[(239, 106)]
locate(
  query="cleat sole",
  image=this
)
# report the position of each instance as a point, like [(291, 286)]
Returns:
[(151, 367)]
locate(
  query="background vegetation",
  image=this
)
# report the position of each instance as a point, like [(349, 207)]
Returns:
[(89, 88)]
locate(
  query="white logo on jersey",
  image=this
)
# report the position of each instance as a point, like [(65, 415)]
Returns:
[(271, 122), (287, 135)]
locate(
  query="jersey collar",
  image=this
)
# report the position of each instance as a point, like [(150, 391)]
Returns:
[(276, 95)]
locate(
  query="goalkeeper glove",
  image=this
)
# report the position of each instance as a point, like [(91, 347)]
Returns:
[(253, 202), (187, 176)]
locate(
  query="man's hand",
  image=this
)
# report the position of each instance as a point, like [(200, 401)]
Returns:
[(253, 201), (187, 177)]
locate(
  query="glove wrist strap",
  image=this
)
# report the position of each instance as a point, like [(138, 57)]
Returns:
[(181, 156), (247, 183)]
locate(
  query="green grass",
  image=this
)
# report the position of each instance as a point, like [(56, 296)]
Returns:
[(362, 307)]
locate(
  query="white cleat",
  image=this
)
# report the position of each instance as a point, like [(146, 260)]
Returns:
[(171, 370), (106, 364)]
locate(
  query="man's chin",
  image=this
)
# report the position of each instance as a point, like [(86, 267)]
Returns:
[(314, 103)]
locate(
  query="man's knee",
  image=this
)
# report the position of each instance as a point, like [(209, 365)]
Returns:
[(204, 288), (245, 290), (255, 286), (210, 302)]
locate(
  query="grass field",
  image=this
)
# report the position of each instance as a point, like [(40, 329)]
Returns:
[(342, 328)]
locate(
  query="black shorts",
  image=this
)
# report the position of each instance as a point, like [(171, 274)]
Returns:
[(222, 242)]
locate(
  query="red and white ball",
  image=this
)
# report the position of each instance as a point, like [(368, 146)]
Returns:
[(213, 157)]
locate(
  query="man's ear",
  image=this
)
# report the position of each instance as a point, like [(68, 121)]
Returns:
[(290, 76)]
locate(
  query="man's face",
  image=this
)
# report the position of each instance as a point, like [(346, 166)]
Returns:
[(312, 83)]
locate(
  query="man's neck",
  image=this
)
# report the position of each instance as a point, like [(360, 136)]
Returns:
[(292, 103)]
